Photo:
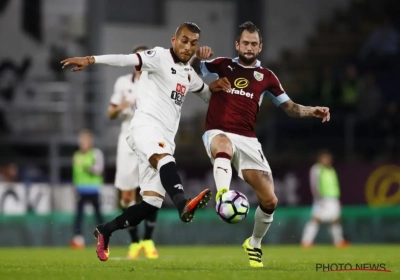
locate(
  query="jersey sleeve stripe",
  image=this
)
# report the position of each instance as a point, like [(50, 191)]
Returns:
[(200, 90), (278, 100), (139, 67), (203, 68)]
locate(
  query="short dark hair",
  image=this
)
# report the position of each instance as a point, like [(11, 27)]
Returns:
[(85, 131), (194, 28), (323, 152), (140, 47), (250, 27)]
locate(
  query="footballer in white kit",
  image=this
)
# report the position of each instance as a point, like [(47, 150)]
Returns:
[(153, 129), (123, 103), (159, 107), (124, 97)]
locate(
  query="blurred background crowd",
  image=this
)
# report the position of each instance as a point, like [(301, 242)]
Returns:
[(345, 56)]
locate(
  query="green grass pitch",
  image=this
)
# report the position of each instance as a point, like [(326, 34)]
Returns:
[(192, 263)]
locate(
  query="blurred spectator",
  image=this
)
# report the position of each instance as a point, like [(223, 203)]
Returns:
[(381, 50), (390, 128), (370, 99), (350, 88), (369, 107), (9, 173), (323, 88)]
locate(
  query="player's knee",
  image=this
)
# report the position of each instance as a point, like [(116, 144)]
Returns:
[(128, 195), (221, 144), (316, 220), (127, 199), (153, 200), (269, 203), (224, 146), (159, 160), (126, 203)]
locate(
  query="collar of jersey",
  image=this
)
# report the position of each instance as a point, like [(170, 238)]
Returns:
[(175, 57), (236, 60)]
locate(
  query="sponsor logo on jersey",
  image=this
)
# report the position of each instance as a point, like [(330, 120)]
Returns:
[(178, 95), (241, 83), (241, 92), (258, 76)]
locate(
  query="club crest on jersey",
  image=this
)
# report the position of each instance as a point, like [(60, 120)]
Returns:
[(258, 76), (161, 144), (150, 53)]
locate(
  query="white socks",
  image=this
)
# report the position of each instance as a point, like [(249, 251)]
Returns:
[(222, 173), (337, 233), (262, 222), (309, 233)]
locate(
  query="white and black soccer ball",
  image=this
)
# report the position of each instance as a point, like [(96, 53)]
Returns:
[(232, 207)]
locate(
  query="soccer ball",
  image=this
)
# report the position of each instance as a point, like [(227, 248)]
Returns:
[(232, 207)]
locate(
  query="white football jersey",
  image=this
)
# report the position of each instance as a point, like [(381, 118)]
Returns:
[(126, 88), (161, 95)]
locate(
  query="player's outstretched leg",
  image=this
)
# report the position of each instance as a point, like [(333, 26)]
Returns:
[(173, 186), (147, 243), (263, 186), (221, 149), (131, 217)]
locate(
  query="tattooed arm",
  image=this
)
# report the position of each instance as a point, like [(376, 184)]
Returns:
[(296, 110), (299, 111)]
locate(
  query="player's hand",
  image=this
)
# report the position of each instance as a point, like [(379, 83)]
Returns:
[(204, 53), (80, 63), (322, 113), (221, 84)]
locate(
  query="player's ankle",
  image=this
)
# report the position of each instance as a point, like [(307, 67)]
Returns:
[(181, 205), (108, 228)]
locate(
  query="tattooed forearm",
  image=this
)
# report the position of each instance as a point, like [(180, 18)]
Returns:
[(296, 110), (196, 65)]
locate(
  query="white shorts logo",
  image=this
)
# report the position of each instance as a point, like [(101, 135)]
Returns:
[(150, 53)]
